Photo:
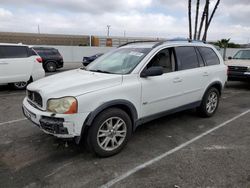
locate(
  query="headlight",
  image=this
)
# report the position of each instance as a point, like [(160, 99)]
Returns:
[(65, 105)]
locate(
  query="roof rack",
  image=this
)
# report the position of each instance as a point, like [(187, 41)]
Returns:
[(160, 42), (177, 39), (138, 41)]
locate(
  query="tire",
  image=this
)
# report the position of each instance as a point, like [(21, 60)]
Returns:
[(50, 66), (103, 137), (19, 85), (210, 103)]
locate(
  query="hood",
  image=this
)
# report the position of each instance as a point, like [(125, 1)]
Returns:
[(74, 83), (238, 62)]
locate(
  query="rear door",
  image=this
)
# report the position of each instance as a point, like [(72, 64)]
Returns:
[(192, 72), (213, 70), (15, 64)]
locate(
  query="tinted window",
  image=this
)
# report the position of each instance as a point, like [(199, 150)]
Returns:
[(47, 52), (13, 52), (165, 59), (201, 61), (187, 58), (32, 52), (209, 56)]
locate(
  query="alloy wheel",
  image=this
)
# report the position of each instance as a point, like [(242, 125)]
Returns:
[(111, 133)]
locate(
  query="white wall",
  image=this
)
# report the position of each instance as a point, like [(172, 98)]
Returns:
[(75, 54)]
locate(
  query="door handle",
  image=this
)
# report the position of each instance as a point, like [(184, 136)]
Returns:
[(177, 80), (3, 63), (205, 73)]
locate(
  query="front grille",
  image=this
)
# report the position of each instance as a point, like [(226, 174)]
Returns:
[(35, 97), (237, 68)]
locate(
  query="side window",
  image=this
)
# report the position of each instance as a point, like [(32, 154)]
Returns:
[(165, 59), (209, 56), (201, 61), (32, 52), (186, 57), (13, 52)]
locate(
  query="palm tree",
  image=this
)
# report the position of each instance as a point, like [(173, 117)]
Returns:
[(223, 43), (202, 19), (210, 19), (190, 18), (196, 19)]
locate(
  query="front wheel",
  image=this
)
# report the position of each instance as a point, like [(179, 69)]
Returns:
[(109, 132), (210, 103)]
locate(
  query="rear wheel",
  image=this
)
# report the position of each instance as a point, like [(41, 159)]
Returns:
[(109, 132), (210, 103), (50, 66)]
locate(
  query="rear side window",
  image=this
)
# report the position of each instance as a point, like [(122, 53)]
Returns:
[(209, 56), (32, 52), (13, 52), (186, 57)]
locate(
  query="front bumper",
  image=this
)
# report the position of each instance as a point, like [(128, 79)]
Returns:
[(236, 75), (59, 125)]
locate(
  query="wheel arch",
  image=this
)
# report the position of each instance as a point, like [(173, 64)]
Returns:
[(125, 105), (215, 84)]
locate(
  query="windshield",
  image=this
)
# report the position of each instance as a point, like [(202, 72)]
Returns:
[(120, 61), (242, 54)]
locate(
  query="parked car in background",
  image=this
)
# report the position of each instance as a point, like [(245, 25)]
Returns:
[(88, 60), (19, 65), (52, 59), (239, 66), (133, 84)]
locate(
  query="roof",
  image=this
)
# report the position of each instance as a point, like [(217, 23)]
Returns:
[(12, 44), (43, 48)]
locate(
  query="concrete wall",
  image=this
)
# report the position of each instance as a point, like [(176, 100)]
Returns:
[(75, 54)]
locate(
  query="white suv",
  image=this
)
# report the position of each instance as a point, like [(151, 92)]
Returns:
[(19, 65), (129, 86)]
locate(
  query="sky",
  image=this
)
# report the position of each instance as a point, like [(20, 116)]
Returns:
[(135, 18)]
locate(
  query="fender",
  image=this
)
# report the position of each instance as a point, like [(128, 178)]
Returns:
[(214, 83), (89, 120), (129, 105)]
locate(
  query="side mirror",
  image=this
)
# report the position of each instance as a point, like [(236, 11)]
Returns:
[(152, 71), (230, 58)]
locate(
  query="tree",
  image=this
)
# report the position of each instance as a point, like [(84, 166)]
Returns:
[(223, 43), (196, 19), (205, 19), (210, 19), (190, 18)]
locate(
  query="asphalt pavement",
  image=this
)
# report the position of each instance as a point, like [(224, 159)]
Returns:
[(179, 150)]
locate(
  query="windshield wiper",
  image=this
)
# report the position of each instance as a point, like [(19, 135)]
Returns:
[(101, 71)]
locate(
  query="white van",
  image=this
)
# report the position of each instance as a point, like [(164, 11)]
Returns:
[(19, 65)]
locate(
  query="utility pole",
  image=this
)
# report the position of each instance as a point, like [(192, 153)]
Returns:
[(108, 26), (124, 33), (38, 29)]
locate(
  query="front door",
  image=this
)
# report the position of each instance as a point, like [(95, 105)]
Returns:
[(161, 93)]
